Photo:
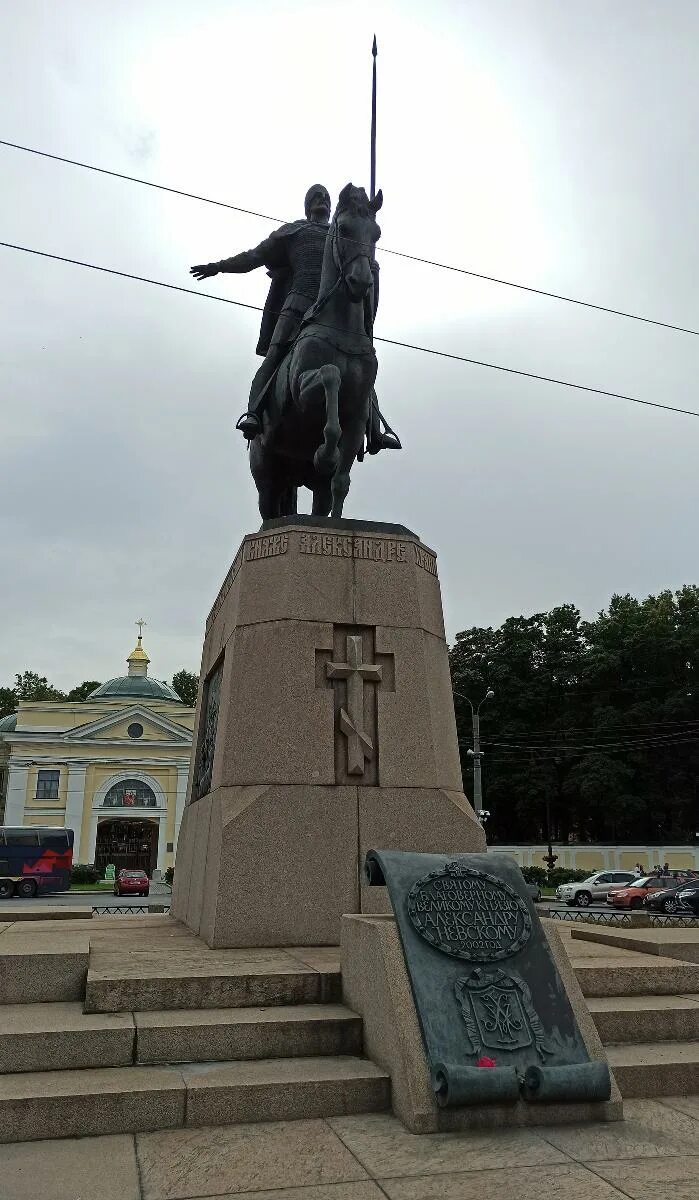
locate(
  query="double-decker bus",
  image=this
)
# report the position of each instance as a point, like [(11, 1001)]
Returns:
[(35, 858)]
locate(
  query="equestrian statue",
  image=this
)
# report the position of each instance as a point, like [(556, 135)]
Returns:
[(312, 401)]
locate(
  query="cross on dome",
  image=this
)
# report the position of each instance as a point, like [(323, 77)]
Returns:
[(138, 659)]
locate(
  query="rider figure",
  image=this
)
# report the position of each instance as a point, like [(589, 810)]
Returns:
[(293, 256)]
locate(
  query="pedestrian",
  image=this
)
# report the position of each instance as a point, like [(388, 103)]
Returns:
[(638, 871)]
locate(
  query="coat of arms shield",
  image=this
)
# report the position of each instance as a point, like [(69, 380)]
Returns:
[(498, 1012)]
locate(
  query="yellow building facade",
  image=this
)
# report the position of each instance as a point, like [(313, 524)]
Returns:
[(113, 768)]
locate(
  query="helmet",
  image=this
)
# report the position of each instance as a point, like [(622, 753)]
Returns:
[(312, 191)]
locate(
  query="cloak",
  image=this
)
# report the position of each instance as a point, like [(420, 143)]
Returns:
[(281, 282)]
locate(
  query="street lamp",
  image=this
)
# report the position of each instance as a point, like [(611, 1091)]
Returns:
[(476, 753)]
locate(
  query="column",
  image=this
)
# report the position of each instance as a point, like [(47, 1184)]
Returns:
[(75, 800), (91, 838), (162, 841), (182, 778), (16, 793)]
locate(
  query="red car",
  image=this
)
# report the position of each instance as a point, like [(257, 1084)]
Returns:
[(633, 894), (131, 883)]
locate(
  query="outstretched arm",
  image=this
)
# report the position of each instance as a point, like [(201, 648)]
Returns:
[(266, 254)]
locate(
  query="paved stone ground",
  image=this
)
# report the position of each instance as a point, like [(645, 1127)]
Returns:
[(655, 1150)]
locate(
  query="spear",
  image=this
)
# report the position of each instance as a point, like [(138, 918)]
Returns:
[(373, 121)]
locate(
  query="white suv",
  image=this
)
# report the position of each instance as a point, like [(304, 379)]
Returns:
[(595, 887)]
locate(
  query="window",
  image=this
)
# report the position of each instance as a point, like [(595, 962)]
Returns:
[(18, 838), (135, 729), (47, 785), (54, 839), (604, 879), (130, 793)]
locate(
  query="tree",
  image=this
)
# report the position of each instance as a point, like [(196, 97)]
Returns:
[(8, 704), (30, 686), (186, 684), (594, 724), (82, 691)]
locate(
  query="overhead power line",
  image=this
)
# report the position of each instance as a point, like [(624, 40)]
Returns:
[(668, 740), (476, 362), (554, 738), (522, 287)]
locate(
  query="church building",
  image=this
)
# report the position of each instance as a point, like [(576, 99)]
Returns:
[(113, 768)]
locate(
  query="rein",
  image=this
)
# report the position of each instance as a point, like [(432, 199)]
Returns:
[(341, 265)]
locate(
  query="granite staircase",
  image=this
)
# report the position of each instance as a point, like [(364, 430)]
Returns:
[(140, 1027), (642, 989)]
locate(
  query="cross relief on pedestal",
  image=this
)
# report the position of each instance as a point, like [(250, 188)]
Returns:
[(356, 719), (359, 744)]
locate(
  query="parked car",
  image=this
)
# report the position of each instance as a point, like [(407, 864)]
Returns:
[(682, 899), (131, 883), (595, 887), (534, 891), (634, 894)]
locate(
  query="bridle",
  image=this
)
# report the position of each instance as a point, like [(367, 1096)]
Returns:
[(342, 263)]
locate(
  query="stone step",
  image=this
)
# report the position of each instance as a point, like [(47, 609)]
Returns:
[(57, 1104), (44, 967), (631, 1019), (58, 1037), (42, 912), (283, 1089), (650, 1069), (181, 981), (631, 975), (61, 1037), (288, 1031)]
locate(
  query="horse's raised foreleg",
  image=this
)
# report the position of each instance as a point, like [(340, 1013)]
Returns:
[(328, 378), (352, 437)]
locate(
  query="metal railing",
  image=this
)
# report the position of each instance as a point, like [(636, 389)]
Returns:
[(121, 910), (688, 920), (585, 917), (655, 920)]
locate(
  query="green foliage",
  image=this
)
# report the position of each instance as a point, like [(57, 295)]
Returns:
[(27, 686), (30, 686), (186, 683), (561, 875), (82, 691), (85, 873), (538, 875), (552, 878), (596, 722)]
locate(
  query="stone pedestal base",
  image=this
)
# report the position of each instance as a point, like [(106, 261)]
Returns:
[(325, 728)]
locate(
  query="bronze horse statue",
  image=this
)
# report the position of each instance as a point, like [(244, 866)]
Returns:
[(319, 400)]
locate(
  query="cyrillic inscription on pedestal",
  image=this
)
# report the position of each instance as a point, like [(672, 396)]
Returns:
[(346, 545), (201, 783), (356, 673)]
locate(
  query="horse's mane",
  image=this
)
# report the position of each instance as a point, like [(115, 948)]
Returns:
[(352, 199)]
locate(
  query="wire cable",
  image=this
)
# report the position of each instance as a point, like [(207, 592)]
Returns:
[(552, 749), (580, 387), (522, 287)]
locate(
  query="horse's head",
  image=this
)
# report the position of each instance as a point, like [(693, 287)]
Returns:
[(355, 234)]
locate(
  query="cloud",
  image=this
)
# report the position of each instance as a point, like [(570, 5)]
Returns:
[(531, 141)]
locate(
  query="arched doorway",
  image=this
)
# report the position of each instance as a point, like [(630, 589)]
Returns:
[(127, 842)]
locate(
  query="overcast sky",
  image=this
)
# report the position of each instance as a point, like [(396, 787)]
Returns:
[(552, 144)]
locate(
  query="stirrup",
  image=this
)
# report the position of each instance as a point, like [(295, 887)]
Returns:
[(384, 440), (249, 425)]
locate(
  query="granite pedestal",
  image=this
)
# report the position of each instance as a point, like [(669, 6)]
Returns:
[(325, 727)]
